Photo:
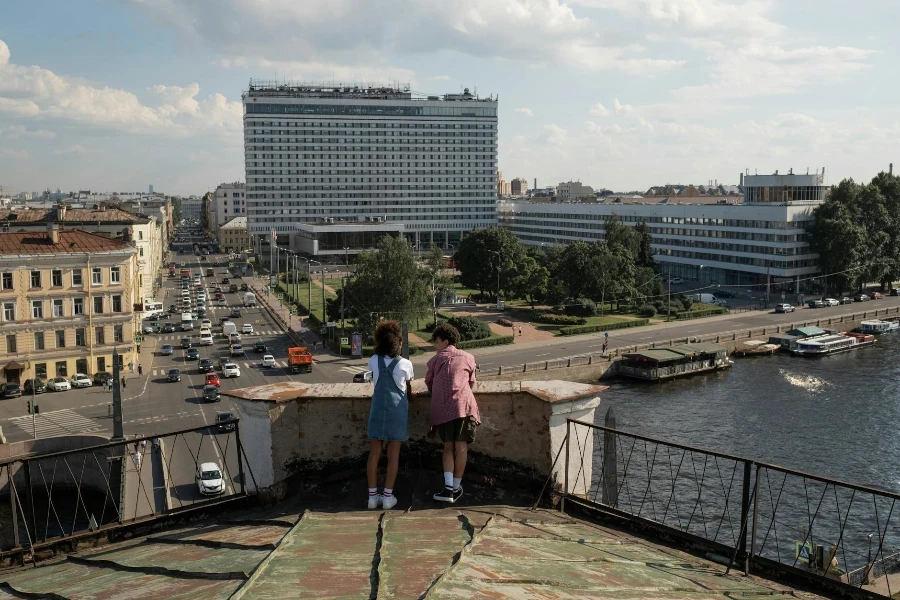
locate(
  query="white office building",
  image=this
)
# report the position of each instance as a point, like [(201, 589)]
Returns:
[(228, 201), (192, 208), (757, 240), (335, 167)]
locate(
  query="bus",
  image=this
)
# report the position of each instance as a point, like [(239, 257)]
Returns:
[(151, 307)]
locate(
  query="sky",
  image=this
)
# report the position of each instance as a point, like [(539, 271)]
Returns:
[(115, 95)]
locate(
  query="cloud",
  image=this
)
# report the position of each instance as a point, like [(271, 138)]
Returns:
[(14, 132), (438, 78), (35, 92), (76, 149), (12, 153), (621, 109), (554, 135), (524, 111), (598, 110)]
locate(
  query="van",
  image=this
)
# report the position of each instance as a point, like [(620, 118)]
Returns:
[(187, 321), (707, 299), (228, 328)]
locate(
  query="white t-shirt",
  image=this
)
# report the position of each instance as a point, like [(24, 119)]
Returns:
[(403, 372)]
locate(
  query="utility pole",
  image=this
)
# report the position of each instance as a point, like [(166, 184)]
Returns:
[(118, 431)]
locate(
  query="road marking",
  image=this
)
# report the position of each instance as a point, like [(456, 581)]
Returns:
[(544, 354), (354, 370), (56, 423)]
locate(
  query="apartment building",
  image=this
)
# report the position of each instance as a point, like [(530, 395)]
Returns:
[(67, 299), (228, 201), (232, 235)]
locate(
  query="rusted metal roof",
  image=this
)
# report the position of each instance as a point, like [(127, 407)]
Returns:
[(70, 241), (72, 216)]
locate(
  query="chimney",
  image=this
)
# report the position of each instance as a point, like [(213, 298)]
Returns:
[(53, 233), (61, 212), (891, 169), (126, 235), (742, 180)]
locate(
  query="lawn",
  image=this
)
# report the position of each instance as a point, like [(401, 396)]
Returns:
[(315, 309)]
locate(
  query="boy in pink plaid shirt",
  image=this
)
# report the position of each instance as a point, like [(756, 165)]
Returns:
[(454, 412)]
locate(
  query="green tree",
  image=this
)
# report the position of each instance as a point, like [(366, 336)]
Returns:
[(617, 235), (533, 281), (837, 238), (486, 256), (440, 285), (644, 256)]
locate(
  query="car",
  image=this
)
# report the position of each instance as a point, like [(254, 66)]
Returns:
[(205, 323), (201, 312), (876, 295), (215, 263), (846, 300), (237, 350), (147, 329), (205, 365), (861, 298), (244, 287), (222, 423), (10, 389), (186, 343), (213, 379), (831, 302), (174, 375), (211, 393), (268, 362), (260, 346), (815, 304), (168, 328), (224, 318), (234, 338), (35, 386), (201, 295), (80, 380), (247, 329), (225, 281), (59, 384), (192, 354), (895, 292), (201, 306), (231, 370), (221, 302), (364, 377), (166, 350), (209, 479), (676, 280), (101, 376), (206, 338), (235, 313), (173, 308), (784, 308)]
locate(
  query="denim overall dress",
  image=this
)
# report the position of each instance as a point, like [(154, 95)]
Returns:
[(390, 407)]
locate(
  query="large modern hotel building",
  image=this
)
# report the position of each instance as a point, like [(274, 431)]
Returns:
[(757, 239), (336, 167)]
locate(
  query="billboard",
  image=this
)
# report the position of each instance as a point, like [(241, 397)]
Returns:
[(356, 345)]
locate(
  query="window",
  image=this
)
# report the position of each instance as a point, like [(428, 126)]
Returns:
[(117, 304), (81, 365), (38, 340), (56, 276), (101, 364), (141, 252), (60, 338), (40, 370), (140, 235), (58, 307), (11, 345), (80, 338), (115, 275), (37, 309), (96, 276), (9, 311), (78, 306), (77, 277), (62, 369), (35, 279), (7, 281), (99, 335), (118, 334), (98, 305)]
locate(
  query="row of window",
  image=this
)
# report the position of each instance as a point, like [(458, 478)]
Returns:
[(519, 224), (355, 124), (61, 339), (56, 278), (633, 220), (57, 307), (61, 367), (465, 109)]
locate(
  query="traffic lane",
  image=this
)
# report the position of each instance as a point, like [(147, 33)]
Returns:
[(186, 452)]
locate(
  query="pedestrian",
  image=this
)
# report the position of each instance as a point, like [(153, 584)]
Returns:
[(454, 411), (137, 460), (520, 331), (139, 347), (140, 370), (143, 445), (389, 410), (136, 446), (605, 344), (123, 382)]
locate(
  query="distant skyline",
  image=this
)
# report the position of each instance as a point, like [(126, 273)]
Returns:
[(619, 94)]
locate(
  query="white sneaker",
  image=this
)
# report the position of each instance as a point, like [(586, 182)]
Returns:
[(375, 501), (388, 502)]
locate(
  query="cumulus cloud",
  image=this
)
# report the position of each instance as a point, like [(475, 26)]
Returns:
[(621, 109), (439, 78), (524, 111), (75, 149), (14, 132), (598, 110)]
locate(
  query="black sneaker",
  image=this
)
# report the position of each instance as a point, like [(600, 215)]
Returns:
[(457, 494), (446, 495)]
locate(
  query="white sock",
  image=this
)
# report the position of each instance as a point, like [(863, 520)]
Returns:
[(456, 482), (388, 492), (373, 491), (448, 479)]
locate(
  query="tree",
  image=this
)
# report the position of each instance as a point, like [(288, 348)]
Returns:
[(618, 235), (644, 256), (836, 237), (533, 281), (439, 284), (486, 256)]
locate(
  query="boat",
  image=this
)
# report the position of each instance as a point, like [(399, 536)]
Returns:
[(669, 362), (756, 348), (825, 345), (878, 327)]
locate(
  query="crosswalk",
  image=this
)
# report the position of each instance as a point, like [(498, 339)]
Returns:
[(355, 369), (56, 423)]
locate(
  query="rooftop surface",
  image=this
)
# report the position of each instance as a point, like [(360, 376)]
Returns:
[(330, 549), (72, 215), (70, 241)]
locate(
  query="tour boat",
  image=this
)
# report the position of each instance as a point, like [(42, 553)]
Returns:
[(824, 345), (756, 348), (878, 327)]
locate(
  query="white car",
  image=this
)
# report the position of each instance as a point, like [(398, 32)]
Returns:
[(59, 384), (247, 329), (80, 380), (206, 339), (205, 324), (831, 302), (231, 370), (221, 302), (268, 361), (209, 479), (235, 338), (237, 350)]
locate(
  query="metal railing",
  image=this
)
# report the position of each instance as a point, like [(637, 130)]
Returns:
[(56, 496), (760, 514)]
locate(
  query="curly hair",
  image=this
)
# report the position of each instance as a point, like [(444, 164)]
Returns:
[(446, 332), (388, 338)]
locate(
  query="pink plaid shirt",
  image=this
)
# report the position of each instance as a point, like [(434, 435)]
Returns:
[(450, 377)]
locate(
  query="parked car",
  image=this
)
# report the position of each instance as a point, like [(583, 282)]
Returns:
[(59, 384), (174, 375), (784, 308), (235, 313), (895, 292), (211, 393), (861, 298), (101, 376), (247, 329), (268, 362), (222, 419), (205, 323), (815, 304), (876, 295), (364, 377), (260, 346), (831, 302), (10, 390), (192, 354), (34, 386), (231, 370), (213, 379), (846, 300), (676, 280), (209, 479), (80, 380)]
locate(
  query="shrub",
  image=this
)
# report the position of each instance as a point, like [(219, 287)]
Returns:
[(431, 325), (608, 327), (582, 307), (686, 302), (647, 311), (695, 314), (470, 328), (504, 322), (483, 343), (551, 319)]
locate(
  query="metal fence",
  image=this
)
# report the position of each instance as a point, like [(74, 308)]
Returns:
[(51, 497), (760, 513)]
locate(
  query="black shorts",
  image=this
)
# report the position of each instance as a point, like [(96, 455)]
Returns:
[(458, 430)]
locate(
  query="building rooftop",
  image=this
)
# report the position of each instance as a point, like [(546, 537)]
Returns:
[(235, 223), (262, 88), (71, 241), (94, 214)]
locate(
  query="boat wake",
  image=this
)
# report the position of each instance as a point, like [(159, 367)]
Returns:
[(810, 383)]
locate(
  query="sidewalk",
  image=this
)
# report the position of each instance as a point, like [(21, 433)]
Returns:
[(144, 489)]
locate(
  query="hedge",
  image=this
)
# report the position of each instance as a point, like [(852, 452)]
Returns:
[(551, 319), (336, 347), (695, 314), (484, 343), (608, 327)]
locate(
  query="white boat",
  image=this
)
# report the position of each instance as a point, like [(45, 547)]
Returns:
[(878, 327), (824, 345), (756, 348)]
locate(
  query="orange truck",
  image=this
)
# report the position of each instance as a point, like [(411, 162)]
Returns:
[(300, 360)]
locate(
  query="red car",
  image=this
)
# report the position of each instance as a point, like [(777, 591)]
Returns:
[(213, 379), (875, 295)]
